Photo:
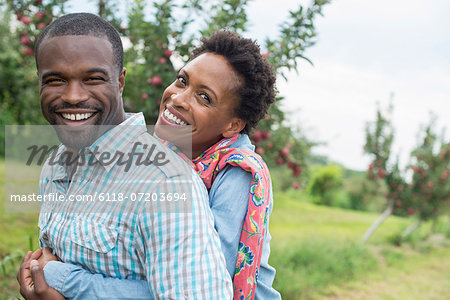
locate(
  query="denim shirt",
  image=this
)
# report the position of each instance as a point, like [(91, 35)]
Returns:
[(228, 198)]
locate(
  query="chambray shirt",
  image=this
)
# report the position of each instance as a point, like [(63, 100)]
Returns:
[(170, 244), (228, 200)]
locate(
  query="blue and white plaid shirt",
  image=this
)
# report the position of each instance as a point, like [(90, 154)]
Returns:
[(148, 222)]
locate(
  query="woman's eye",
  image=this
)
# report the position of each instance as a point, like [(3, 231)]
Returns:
[(181, 79), (205, 97)]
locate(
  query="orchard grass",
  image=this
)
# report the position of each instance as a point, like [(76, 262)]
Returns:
[(18, 231), (18, 234), (415, 276), (315, 249)]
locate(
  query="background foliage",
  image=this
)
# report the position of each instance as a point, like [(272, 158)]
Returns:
[(158, 36), (315, 245)]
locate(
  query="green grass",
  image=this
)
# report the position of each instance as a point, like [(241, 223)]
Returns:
[(315, 250), (294, 219), (16, 228), (412, 275), (18, 233), (311, 265)]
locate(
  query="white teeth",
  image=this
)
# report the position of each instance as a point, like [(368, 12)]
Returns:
[(77, 117), (172, 118)]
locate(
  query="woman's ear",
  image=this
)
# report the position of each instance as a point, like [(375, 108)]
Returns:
[(235, 126)]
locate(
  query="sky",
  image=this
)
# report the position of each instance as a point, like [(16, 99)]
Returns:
[(366, 52)]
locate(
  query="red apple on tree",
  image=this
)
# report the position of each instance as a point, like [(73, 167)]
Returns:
[(381, 173), (26, 20), (28, 51), (156, 80), (24, 40), (266, 135), (257, 136), (260, 151), (290, 164), (167, 53), (39, 15)]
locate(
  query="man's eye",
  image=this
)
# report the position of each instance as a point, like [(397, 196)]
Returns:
[(96, 79), (53, 81)]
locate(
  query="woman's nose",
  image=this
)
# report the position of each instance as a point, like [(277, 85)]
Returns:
[(181, 99)]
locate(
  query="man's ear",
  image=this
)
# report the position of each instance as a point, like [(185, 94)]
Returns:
[(235, 126), (122, 80)]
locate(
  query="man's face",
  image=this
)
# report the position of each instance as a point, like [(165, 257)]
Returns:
[(79, 86)]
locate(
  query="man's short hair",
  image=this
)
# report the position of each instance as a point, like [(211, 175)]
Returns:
[(83, 24)]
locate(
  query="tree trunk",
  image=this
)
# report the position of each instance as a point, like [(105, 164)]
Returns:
[(411, 229), (388, 211), (434, 225)]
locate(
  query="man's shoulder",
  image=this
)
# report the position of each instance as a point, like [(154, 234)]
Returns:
[(162, 157)]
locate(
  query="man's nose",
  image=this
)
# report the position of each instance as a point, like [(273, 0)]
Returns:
[(75, 93)]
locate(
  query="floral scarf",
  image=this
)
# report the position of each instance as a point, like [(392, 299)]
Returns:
[(208, 165)]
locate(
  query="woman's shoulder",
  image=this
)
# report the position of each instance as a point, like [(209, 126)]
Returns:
[(243, 142)]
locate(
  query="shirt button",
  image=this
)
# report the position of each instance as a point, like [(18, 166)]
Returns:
[(58, 218)]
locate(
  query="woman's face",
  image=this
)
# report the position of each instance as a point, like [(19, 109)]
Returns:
[(204, 97)]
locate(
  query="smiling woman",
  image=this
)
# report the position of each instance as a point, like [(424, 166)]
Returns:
[(203, 96), (219, 96)]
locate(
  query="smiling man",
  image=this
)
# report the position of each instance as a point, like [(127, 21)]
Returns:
[(129, 229)]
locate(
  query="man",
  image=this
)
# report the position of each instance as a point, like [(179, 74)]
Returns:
[(129, 228)]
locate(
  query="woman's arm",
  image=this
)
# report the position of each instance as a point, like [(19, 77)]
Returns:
[(228, 198), (74, 282)]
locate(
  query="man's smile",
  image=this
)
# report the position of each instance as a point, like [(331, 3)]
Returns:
[(74, 117), (77, 117)]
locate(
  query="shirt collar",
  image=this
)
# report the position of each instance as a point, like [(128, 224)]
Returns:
[(119, 137), (116, 139)]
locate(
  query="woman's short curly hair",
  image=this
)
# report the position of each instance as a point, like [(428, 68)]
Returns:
[(258, 90)]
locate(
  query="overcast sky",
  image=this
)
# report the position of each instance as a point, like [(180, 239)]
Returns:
[(366, 51)]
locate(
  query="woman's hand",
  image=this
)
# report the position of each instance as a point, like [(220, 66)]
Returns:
[(46, 256), (31, 276)]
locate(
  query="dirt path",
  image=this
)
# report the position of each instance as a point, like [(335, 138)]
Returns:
[(424, 277)]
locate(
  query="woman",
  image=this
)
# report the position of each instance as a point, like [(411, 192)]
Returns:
[(220, 95)]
